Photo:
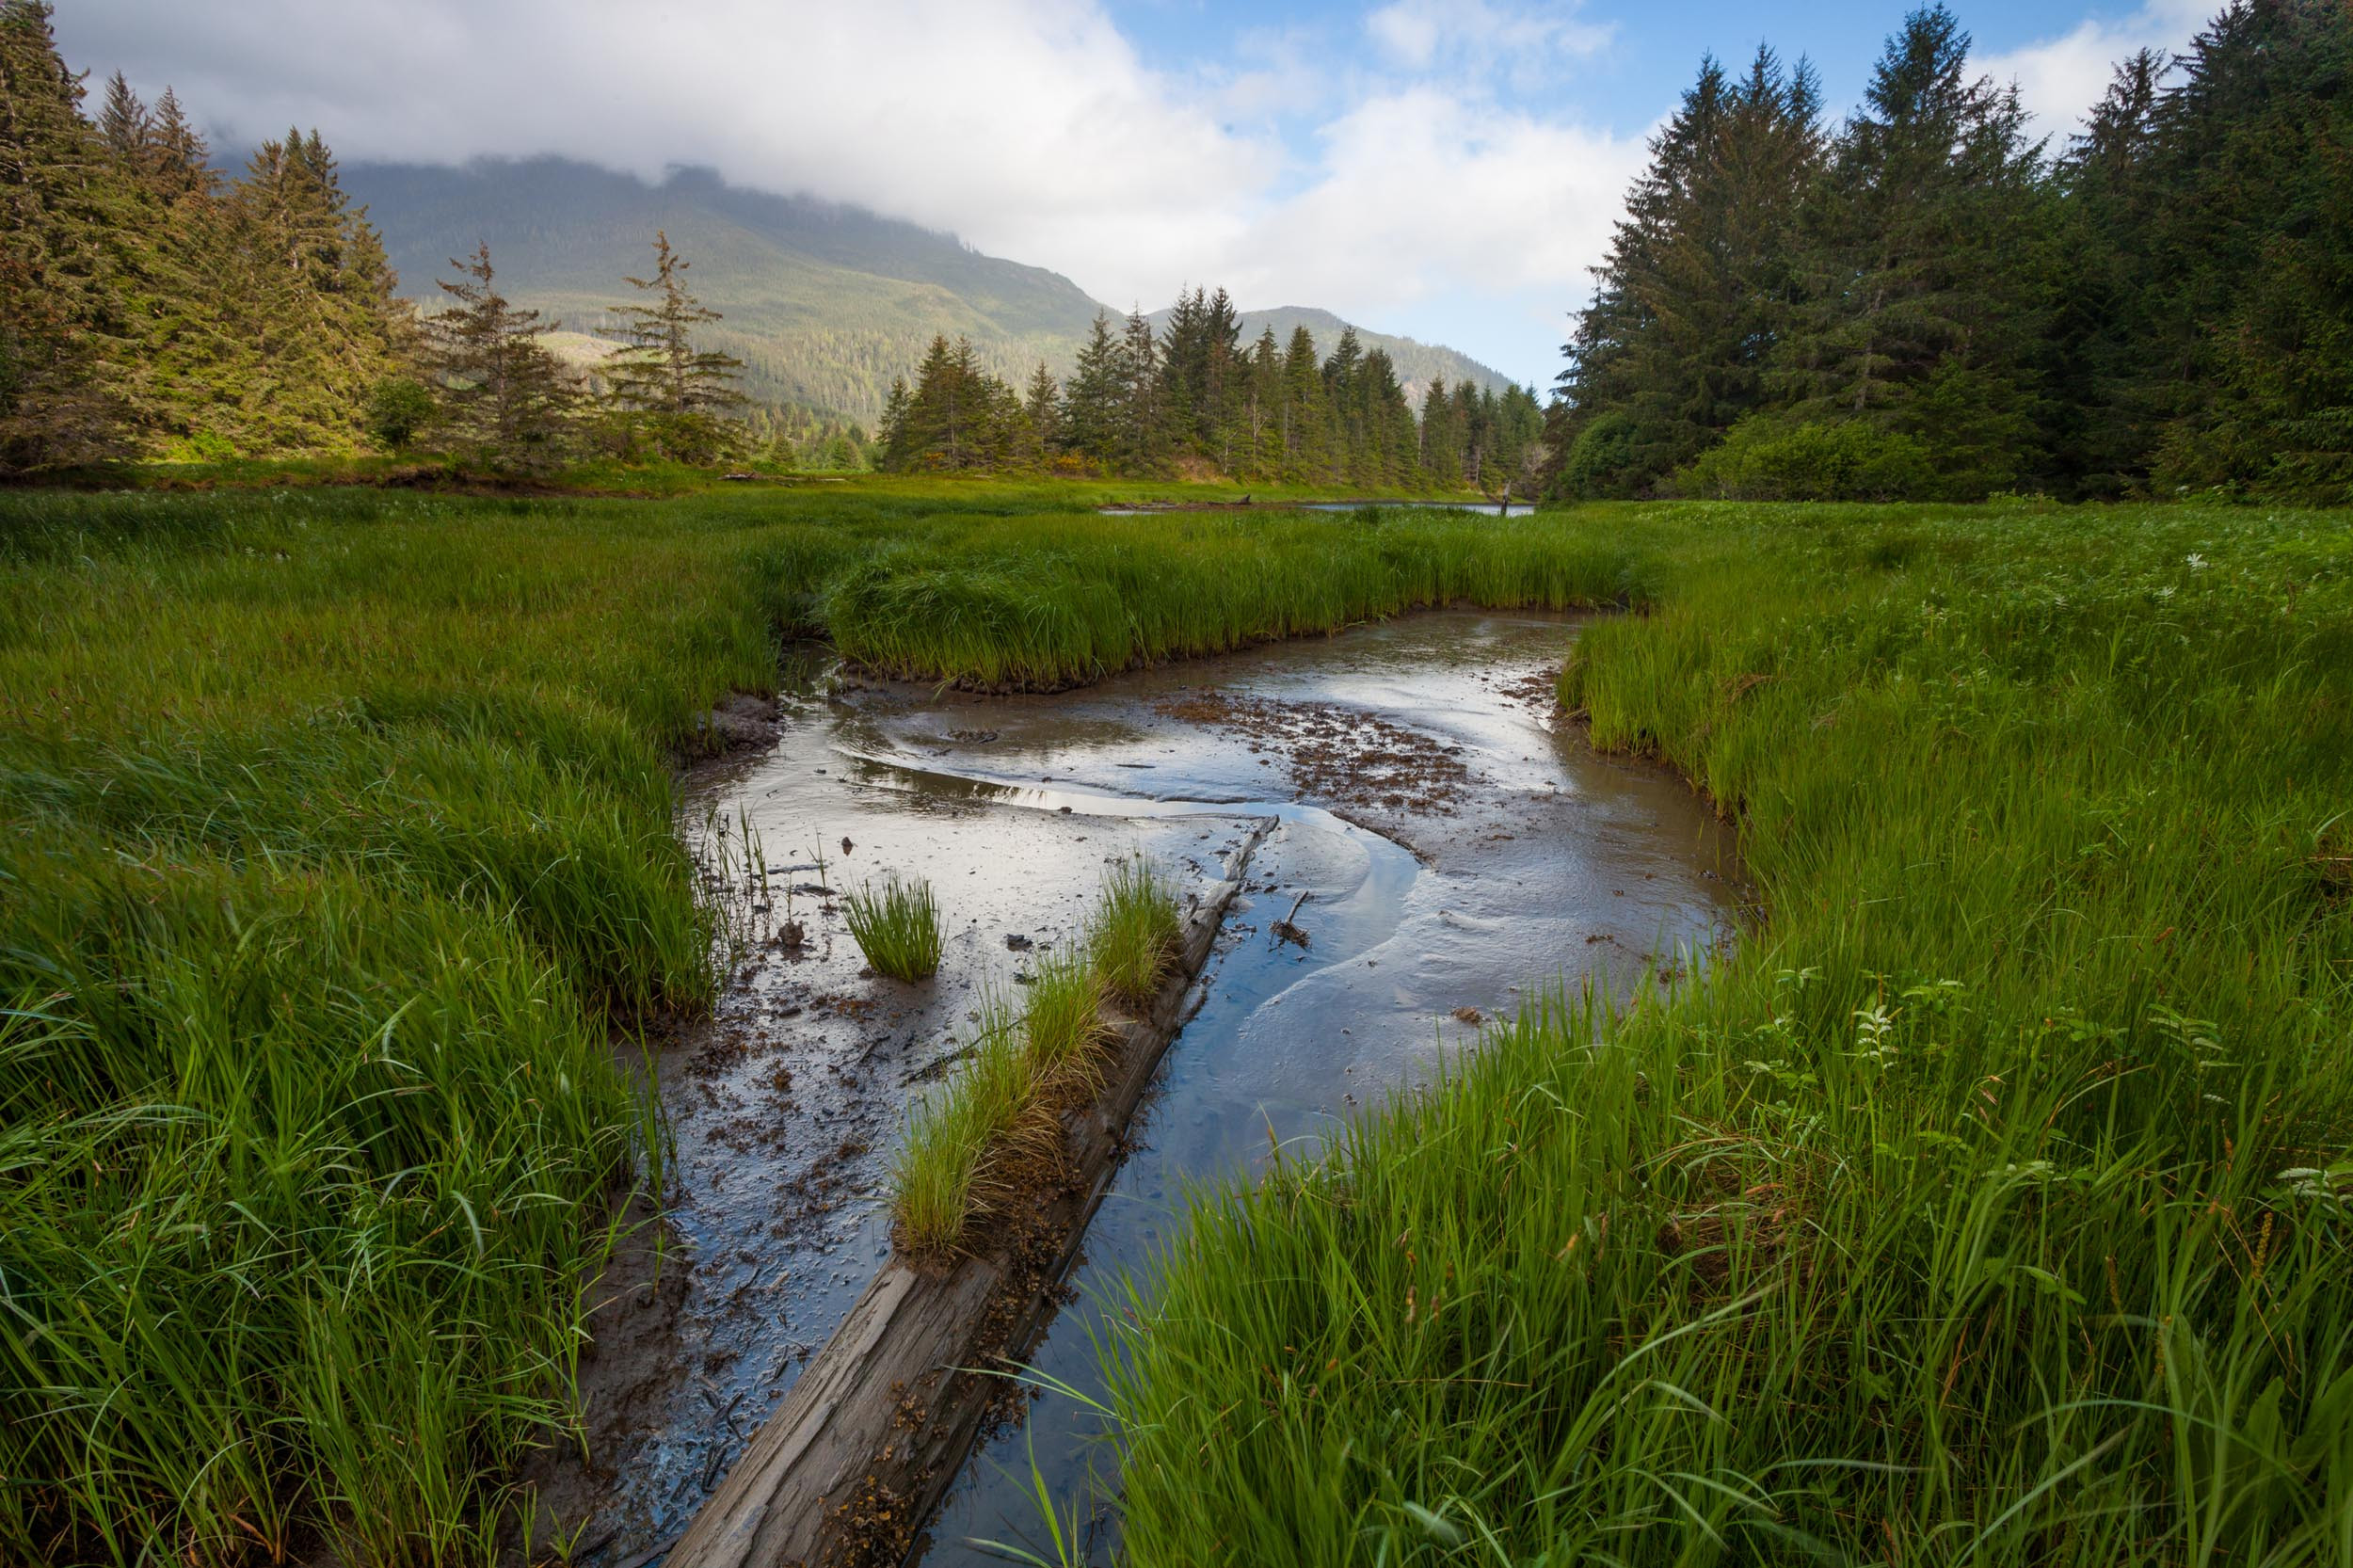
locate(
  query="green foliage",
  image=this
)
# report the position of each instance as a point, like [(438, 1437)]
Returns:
[(897, 929), (1989, 1202), (1763, 459), (144, 308), (338, 841), (398, 408), (2164, 308)]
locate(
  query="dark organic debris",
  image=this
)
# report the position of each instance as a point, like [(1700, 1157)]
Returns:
[(1339, 754)]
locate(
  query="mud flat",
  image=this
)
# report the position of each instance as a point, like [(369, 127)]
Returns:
[(1457, 846)]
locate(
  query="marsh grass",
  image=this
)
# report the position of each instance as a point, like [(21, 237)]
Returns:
[(940, 1178), (1063, 1028), (994, 1129), (1136, 930), (1990, 1201), (1989, 1205), (898, 928)]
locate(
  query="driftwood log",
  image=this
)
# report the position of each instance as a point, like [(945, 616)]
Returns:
[(853, 1461)]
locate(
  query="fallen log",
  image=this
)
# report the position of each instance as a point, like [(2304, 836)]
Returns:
[(854, 1461)]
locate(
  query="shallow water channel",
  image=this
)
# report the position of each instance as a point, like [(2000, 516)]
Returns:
[(1459, 850)]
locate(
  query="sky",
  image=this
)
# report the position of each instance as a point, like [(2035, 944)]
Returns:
[(1446, 170)]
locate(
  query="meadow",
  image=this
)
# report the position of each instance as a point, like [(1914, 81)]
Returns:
[(1992, 1200)]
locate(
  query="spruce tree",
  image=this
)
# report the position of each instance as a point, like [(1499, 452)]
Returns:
[(505, 400), (1308, 433), (1928, 282), (1695, 292), (1041, 407), (681, 395), (1092, 403), (63, 347), (1142, 421)]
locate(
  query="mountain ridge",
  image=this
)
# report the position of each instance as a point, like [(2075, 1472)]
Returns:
[(824, 302)]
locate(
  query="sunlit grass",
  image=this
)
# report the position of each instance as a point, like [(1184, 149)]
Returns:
[(1063, 1027), (897, 928), (1991, 1204), (998, 1116), (1133, 943), (938, 1178), (339, 840)]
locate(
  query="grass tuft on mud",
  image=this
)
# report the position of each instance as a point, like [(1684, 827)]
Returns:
[(898, 928), (969, 1145), (1134, 944)]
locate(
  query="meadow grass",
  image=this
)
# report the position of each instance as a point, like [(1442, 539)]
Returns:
[(1991, 1204), (898, 928)]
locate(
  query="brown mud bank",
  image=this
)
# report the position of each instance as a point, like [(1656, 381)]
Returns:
[(1444, 841)]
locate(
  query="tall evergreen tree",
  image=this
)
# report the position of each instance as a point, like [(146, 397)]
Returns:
[(1041, 407), (683, 394), (1143, 420), (1696, 290), (1929, 270), (506, 402), (1092, 405), (62, 344)]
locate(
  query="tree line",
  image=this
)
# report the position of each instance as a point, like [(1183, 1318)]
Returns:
[(1149, 402), (149, 308), (1924, 301)]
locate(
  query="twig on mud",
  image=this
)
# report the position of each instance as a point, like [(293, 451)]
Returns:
[(1285, 930)]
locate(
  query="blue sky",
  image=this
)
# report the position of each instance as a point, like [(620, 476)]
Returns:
[(1445, 168)]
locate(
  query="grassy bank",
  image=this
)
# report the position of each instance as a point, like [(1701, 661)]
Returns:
[(337, 839), (337, 847), (1991, 1205)]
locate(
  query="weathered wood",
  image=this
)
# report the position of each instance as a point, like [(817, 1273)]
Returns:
[(862, 1450)]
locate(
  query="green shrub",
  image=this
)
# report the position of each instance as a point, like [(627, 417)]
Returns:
[(1761, 459)]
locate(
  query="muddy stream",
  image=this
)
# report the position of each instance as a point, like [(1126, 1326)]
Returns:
[(1458, 848)]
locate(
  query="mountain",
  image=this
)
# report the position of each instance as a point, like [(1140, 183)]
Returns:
[(1418, 363), (824, 302)]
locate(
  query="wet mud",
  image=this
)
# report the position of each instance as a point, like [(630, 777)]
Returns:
[(1444, 844)]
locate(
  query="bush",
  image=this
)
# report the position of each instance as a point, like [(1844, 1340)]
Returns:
[(397, 409), (1762, 460), (1598, 460)]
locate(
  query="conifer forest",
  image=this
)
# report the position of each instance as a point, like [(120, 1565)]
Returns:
[(698, 869)]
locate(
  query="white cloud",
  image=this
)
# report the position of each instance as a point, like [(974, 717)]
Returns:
[(1419, 34), (1033, 128), (2059, 79)]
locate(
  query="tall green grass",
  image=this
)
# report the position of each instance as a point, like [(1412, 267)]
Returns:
[(337, 842), (992, 1135), (1992, 1205), (1134, 941), (897, 928)]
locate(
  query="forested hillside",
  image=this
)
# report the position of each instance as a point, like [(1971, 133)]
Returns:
[(823, 303), (1924, 302)]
